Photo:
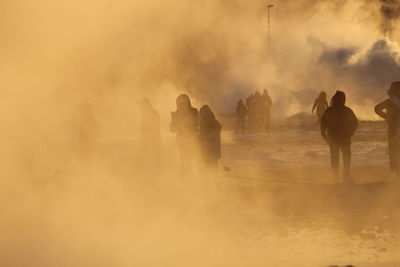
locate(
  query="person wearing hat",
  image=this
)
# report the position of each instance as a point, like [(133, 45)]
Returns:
[(338, 125), (389, 110), (185, 123)]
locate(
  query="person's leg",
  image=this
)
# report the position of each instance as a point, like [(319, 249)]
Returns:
[(267, 120), (334, 149), (396, 155), (241, 125), (392, 154), (346, 153)]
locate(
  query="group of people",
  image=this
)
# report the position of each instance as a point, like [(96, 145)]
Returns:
[(257, 111), (338, 124), (198, 135)]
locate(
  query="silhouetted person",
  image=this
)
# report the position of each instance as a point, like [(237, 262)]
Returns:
[(150, 134), (185, 122), (321, 104), (251, 111), (89, 129), (259, 112), (389, 109), (241, 113), (338, 125), (268, 106), (209, 141)]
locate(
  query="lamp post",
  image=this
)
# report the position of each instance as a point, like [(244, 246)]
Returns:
[(269, 7)]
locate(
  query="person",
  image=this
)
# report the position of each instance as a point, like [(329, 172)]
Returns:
[(259, 113), (389, 110), (150, 134), (88, 129), (268, 106), (251, 111), (241, 113), (185, 122), (321, 104), (338, 125), (209, 140)]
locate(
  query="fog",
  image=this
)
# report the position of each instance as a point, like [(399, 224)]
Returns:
[(65, 206)]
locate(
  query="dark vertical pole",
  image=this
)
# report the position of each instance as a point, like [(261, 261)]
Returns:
[(268, 29)]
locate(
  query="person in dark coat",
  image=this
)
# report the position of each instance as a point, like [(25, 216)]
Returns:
[(268, 106), (321, 104), (389, 110), (185, 122), (241, 113), (338, 125), (251, 111), (150, 134), (209, 140), (260, 112)]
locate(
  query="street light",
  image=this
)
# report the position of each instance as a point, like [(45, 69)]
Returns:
[(269, 7)]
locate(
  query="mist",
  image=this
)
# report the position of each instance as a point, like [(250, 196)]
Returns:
[(63, 206)]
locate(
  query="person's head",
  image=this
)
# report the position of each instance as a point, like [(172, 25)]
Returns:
[(394, 89), (183, 102), (144, 104), (206, 113), (338, 99), (322, 95), (265, 92), (240, 102)]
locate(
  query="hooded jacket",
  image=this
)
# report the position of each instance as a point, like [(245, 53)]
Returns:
[(338, 123)]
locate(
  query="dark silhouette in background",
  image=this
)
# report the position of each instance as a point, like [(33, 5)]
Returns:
[(389, 109), (241, 113), (209, 141), (185, 122), (338, 125), (321, 104), (259, 111), (267, 105), (259, 116), (89, 129), (251, 111), (150, 134)]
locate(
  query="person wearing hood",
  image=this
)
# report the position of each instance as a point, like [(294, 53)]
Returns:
[(338, 125), (209, 141), (389, 110), (185, 123), (321, 104), (241, 113)]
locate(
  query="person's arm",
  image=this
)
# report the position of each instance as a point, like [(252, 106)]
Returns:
[(314, 106), (354, 122), (324, 125), (326, 104), (381, 109)]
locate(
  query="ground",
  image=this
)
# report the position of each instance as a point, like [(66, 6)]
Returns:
[(298, 214), (274, 203)]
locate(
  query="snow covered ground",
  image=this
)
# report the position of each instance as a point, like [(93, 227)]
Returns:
[(277, 204), (298, 214)]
